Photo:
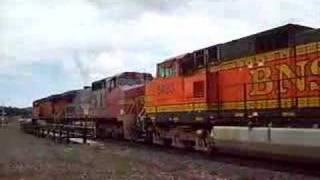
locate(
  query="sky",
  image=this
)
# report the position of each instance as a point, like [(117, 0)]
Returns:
[(51, 46)]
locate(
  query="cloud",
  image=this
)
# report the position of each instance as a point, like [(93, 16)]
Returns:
[(130, 9), (84, 40)]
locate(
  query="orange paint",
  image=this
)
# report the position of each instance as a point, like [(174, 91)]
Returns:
[(299, 77)]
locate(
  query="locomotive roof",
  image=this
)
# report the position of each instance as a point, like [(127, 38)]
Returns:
[(285, 28), (68, 94), (290, 28), (312, 35), (175, 58), (118, 75)]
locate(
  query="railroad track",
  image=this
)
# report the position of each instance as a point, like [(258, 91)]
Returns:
[(310, 169), (242, 160)]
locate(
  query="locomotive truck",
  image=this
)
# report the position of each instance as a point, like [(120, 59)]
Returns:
[(259, 94)]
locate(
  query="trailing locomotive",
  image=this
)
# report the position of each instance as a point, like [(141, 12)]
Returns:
[(111, 105), (52, 109), (116, 103), (258, 94)]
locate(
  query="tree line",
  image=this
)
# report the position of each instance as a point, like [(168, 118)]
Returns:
[(14, 111)]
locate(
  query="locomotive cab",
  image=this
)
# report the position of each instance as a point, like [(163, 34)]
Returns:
[(177, 100), (181, 87)]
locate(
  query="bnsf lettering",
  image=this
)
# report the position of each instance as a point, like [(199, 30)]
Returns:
[(302, 76), (262, 83), (315, 70)]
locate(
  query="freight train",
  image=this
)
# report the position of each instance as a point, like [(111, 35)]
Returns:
[(259, 94)]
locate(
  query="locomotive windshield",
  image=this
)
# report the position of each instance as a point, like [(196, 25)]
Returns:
[(99, 85), (167, 69), (128, 81)]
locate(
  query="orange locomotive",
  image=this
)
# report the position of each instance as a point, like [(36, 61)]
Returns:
[(267, 79), (52, 109)]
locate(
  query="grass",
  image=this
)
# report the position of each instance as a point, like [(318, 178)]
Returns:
[(24, 156)]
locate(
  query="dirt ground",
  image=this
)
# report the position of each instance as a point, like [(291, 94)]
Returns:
[(25, 157)]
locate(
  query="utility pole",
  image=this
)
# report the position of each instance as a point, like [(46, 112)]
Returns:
[(2, 116)]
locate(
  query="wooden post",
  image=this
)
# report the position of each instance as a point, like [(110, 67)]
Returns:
[(45, 131), (84, 135), (54, 133), (68, 136), (60, 134), (49, 132), (42, 132), (34, 130), (38, 131)]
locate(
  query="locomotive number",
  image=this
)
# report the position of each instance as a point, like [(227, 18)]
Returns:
[(166, 89)]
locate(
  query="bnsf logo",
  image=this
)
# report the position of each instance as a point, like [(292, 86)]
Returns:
[(302, 76), (165, 89)]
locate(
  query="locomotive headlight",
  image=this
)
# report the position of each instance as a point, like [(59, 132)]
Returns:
[(176, 119), (199, 132), (255, 114)]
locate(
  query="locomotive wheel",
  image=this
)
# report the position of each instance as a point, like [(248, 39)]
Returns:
[(204, 145), (156, 139), (148, 137), (177, 142)]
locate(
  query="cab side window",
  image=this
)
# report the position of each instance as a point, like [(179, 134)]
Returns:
[(188, 65), (162, 72), (111, 84), (166, 71), (212, 54), (199, 58)]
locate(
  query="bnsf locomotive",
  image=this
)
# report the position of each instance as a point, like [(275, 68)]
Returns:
[(258, 94)]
